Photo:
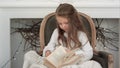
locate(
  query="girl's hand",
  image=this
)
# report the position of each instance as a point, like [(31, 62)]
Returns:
[(69, 53), (67, 50), (47, 53)]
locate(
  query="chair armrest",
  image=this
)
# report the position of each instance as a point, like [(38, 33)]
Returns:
[(104, 58), (107, 57)]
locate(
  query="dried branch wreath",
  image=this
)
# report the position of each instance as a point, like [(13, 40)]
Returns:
[(30, 35), (105, 36)]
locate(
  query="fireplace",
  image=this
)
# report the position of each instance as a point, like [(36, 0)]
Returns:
[(21, 9)]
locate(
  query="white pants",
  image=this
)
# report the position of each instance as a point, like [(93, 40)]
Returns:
[(33, 60)]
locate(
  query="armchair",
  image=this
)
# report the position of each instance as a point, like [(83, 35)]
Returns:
[(48, 25)]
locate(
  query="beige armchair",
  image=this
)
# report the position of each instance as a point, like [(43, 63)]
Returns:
[(49, 24)]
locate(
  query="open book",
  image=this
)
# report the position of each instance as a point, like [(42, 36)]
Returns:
[(60, 58)]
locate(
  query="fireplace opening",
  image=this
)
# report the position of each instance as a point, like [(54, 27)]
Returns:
[(25, 36)]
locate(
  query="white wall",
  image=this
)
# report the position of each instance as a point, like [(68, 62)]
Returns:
[(4, 40)]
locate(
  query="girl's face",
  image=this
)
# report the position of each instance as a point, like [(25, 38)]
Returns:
[(63, 23)]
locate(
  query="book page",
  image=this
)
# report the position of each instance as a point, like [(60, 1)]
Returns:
[(56, 56)]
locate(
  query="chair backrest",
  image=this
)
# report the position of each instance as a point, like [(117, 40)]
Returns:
[(49, 24)]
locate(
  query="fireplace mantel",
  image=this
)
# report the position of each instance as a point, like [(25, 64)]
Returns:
[(96, 9)]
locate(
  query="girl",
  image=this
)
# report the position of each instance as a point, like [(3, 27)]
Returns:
[(70, 33)]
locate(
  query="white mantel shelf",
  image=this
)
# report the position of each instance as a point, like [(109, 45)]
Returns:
[(96, 9)]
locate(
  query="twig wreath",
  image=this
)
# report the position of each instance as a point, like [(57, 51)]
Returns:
[(105, 36)]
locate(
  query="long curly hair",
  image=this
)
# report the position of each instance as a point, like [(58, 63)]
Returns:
[(69, 12)]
